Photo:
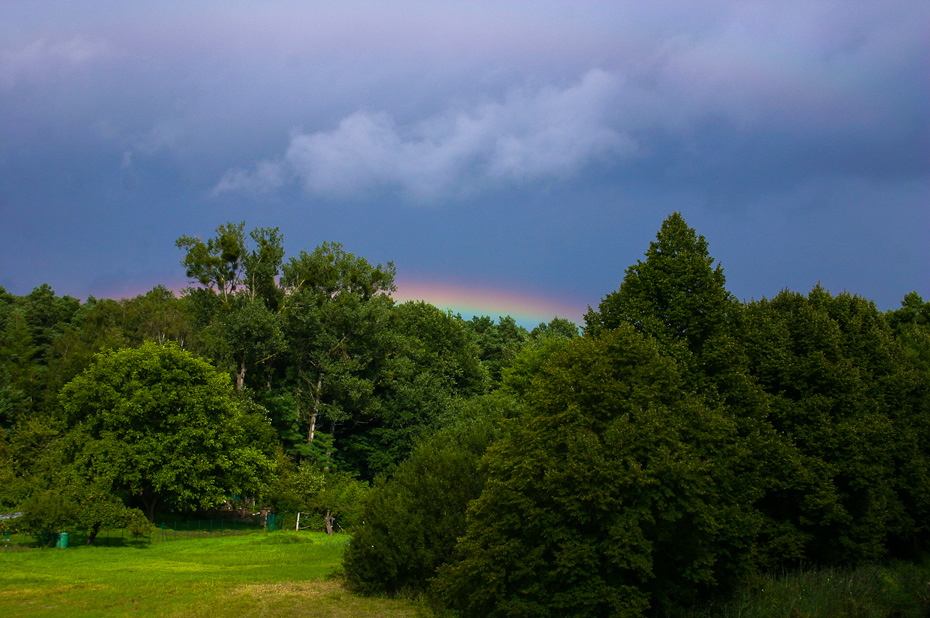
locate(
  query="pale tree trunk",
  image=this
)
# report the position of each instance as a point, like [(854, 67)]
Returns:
[(329, 522), (240, 376), (316, 405)]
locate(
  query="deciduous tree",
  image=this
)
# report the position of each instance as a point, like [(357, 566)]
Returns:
[(615, 492), (335, 312), (159, 425)]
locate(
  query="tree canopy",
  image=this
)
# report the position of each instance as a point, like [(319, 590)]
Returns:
[(157, 424)]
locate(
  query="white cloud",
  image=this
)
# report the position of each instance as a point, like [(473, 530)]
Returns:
[(531, 135)]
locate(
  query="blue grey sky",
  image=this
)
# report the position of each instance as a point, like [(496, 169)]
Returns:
[(521, 151)]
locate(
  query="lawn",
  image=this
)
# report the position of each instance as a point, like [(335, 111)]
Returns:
[(261, 574)]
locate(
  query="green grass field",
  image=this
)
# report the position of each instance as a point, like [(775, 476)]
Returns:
[(279, 574), (288, 574)]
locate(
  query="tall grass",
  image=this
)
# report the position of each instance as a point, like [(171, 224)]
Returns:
[(272, 574), (898, 590)]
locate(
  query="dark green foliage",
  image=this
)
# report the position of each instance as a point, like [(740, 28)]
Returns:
[(217, 263), (527, 365), (676, 295), (10, 497), (613, 494), (31, 326), (331, 498), (75, 505), (21, 374), (895, 590), (684, 441), (432, 361), (336, 315), (160, 425), (557, 327), (845, 396), (262, 265), (281, 407), (911, 325), (247, 338), (498, 343), (47, 315), (100, 325), (410, 522)]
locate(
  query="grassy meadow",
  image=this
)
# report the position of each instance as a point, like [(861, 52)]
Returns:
[(280, 574), (288, 574)]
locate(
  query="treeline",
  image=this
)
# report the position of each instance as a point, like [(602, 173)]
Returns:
[(332, 384), (683, 441), (686, 441)]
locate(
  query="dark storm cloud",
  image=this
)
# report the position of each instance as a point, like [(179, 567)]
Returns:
[(575, 127)]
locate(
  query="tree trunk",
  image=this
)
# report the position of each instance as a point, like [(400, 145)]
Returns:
[(240, 377), (149, 503), (316, 405), (329, 522), (93, 533)]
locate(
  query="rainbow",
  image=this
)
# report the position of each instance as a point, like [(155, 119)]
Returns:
[(527, 309)]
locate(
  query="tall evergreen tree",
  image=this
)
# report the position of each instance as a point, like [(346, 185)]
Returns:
[(676, 295)]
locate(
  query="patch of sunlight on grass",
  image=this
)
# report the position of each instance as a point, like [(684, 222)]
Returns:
[(270, 574), (317, 599)]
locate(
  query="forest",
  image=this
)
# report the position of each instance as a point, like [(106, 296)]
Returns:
[(675, 442)]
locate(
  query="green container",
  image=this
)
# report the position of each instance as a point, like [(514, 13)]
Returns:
[(62, 540)]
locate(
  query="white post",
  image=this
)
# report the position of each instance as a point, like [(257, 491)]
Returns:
[(297, 527)]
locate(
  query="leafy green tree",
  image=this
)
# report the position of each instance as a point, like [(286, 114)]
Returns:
[(262, 266), (9, 497), (31, 326), (159, 425), (21, 374), (677, 295), (913, 310), (7, 301), (911, 325), (498, 343), (339, 500), (77, 506), (217, 263), (335, 311), (556, 327), (294, 484), (159, 316), (333, 496), (411, 520), (527, 366), (48, 314), (614, 493), (431, 362), (248, 337), (845, 397)]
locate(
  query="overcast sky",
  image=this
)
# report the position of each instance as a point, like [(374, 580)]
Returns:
[(507, 156)]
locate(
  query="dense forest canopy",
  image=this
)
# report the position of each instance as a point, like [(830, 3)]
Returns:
[(682, 439)]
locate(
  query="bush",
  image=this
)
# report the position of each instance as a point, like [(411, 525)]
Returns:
[(410, 522)]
